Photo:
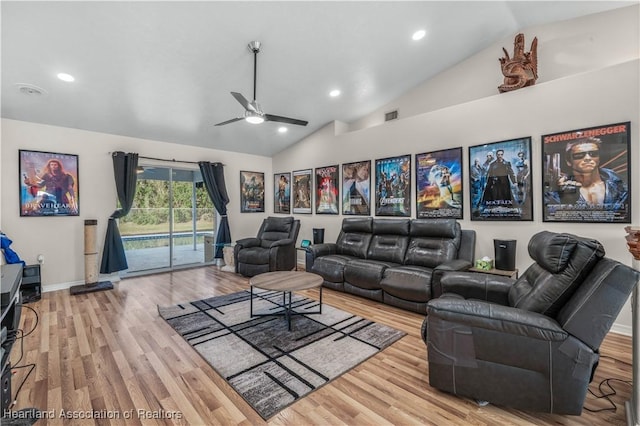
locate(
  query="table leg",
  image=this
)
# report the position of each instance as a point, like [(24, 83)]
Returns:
[(320, 311), (288, 312), (251, 304)]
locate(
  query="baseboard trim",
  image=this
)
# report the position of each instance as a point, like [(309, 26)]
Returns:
[(622, 329)]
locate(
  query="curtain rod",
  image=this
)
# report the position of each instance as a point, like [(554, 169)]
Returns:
[(173, 160)]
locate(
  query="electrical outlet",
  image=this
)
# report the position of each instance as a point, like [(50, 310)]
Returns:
[(41, 259)]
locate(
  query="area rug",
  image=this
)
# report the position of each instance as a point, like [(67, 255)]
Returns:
[(268, 365)]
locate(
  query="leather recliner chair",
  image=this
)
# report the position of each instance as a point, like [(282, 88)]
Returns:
[(530, 344), (272, 250)]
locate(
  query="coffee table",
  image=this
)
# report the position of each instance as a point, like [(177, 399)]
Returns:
[(287, 282)]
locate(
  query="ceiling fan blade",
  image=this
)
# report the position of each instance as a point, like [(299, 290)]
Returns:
[(245, 103), (287, 120), (230, 121)]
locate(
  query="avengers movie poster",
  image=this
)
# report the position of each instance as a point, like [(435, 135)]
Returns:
[(251, 192), (500, 180), (587, 175), (356, 183), (301, 191), (439, 184), (48, 184), (393, 186), (282, 189), (327, 190)]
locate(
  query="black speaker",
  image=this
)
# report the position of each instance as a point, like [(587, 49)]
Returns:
[(505, 251), (318, 235), (5, 391), (31, 287)]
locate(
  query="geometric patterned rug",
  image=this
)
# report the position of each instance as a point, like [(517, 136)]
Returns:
[(268, 365)]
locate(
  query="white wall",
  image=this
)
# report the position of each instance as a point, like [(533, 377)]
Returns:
[(61, 239), (601, 88)]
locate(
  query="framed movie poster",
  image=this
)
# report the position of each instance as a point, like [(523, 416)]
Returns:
[(393, 186), (282, 196), (356, 183), (587, 175), (327, 190), (500, 180), (301, 187), (251, 192), (439, 184), (49, 184)]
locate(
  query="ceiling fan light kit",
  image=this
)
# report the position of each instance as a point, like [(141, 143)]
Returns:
[(253, 117), (253, 113)]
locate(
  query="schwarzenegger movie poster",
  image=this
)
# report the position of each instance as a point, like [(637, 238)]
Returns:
[(393, 186), (439, 184), (587, 176), (500, 180), (327, 190), (48, 184), (356, 183)]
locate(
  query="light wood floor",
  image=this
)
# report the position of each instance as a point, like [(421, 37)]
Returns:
[(111, 351)]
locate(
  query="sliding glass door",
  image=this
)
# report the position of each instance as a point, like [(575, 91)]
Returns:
[(171, 222)]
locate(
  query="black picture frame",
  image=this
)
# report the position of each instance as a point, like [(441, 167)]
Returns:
[(49, 184), (327, 190), (301, 193), (501, 190), (393, 186), (356, 188), (586, 175), (282, 193), (440, 184), (251, 192)]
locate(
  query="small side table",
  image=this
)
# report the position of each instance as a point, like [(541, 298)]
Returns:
[(510, 274)]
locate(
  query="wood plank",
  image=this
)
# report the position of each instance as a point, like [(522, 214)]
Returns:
[(110, 350)]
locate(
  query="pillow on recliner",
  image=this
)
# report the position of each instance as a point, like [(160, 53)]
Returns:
[(551, 250), (278, 224)]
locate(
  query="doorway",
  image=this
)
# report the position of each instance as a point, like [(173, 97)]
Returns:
[(171, 224)]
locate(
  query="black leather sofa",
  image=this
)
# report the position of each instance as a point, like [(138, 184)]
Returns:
[(392, 260), (530, 344)]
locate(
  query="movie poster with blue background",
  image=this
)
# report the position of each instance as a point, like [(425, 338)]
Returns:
[(439, 184), (587, 175), (48, 184), (393, 186), (356, 183), (500, 180)]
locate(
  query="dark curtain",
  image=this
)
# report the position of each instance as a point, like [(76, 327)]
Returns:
[(213, 177), (124, 170)]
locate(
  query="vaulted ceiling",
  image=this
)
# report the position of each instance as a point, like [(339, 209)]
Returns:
[(164, 70)]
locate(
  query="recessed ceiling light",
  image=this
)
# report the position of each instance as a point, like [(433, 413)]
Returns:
[(418, 35), (66, 77), (334, 93), (282, 129)]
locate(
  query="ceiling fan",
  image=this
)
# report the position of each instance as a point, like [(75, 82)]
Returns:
[(253, 113)]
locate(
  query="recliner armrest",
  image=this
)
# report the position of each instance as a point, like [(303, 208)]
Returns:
[(248, 242), (324, 249), (473, 285), (489, 316), (280, 243), (454, 265)]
